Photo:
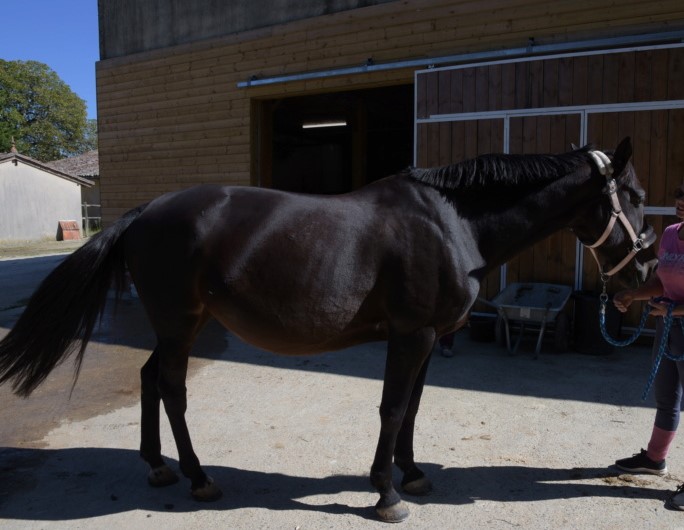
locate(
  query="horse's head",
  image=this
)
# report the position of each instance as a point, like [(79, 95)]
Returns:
[(612, 226)]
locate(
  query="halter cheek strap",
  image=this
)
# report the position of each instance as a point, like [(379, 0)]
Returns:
[(640, 242)]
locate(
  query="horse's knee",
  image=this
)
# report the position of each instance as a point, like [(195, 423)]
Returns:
[(392, 417)]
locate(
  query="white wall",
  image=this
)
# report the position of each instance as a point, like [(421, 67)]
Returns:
[(32, 202)]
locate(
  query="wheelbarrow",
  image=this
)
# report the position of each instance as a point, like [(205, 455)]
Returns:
[(535, 305)]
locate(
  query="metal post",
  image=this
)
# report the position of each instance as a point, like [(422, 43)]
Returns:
[(87, 220)]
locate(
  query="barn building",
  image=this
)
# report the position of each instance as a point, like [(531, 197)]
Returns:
[(239, 93)]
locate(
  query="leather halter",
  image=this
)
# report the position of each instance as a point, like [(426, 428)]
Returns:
[(639, 242)]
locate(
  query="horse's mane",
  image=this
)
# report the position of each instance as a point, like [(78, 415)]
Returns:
[(501, 170)]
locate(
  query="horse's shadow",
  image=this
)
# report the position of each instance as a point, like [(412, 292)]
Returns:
[(69, 484)]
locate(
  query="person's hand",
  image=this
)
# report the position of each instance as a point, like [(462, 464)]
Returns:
[(658, 309), (622, 300)]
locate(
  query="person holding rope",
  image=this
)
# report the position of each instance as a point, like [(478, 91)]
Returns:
[(665, 292)]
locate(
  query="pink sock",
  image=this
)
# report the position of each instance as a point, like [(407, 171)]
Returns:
[(659, 444)]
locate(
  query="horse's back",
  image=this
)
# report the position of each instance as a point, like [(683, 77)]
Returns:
[(292, 272), (282, 270)]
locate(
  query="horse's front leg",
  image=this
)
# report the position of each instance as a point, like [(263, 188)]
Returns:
[(406, 355), (414, 480)]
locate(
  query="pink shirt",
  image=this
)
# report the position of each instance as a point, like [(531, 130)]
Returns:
[(671, 264)]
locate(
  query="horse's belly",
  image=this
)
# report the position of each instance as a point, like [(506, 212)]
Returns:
[(288, 343), (289, 329)]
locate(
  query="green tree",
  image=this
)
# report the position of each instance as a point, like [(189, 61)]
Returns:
[(89, 137), (47, 120)]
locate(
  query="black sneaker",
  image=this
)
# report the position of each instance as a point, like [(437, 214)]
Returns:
[(676, 501), (640, 463)]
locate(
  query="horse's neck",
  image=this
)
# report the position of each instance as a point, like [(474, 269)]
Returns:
[(504, 234)]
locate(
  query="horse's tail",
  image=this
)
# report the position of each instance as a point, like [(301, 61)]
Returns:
[(62, 312)]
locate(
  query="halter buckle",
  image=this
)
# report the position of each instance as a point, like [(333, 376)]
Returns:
[(611, 187)]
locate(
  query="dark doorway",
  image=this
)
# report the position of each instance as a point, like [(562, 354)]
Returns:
[(334, 143)]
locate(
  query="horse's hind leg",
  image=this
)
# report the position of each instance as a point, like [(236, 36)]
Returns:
[(414, 481), (163, 379), (173, 368), (406, 355), (150, 444)]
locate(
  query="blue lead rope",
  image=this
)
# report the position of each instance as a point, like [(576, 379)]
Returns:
[(663, 350), (630, 340)]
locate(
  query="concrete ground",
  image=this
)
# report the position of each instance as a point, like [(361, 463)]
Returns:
[(508, 441)]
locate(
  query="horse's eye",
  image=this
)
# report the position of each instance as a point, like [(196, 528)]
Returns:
[(637, 197)]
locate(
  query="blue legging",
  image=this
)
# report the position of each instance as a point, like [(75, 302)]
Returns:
[(669, 380)]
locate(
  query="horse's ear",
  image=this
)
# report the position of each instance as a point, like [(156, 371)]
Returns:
[(623, 153)]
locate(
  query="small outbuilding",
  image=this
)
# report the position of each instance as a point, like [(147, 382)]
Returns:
[(35, 197), (87, 166)]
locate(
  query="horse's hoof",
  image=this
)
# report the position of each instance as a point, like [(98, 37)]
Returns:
[(396, 513), (161, 476), (421, 486), (207, 493)]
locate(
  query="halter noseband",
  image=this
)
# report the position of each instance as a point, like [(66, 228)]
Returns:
[(640, 242)]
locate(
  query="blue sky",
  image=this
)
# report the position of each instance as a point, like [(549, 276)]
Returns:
[(60, 33)]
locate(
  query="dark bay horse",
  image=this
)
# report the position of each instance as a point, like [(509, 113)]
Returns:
[(401, 259)]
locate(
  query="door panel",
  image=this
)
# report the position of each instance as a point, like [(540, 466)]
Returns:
[(553, 259)]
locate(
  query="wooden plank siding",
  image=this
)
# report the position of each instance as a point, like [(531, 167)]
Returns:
[(625, 77), (649, 75), (586, 80), (175, 117)]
